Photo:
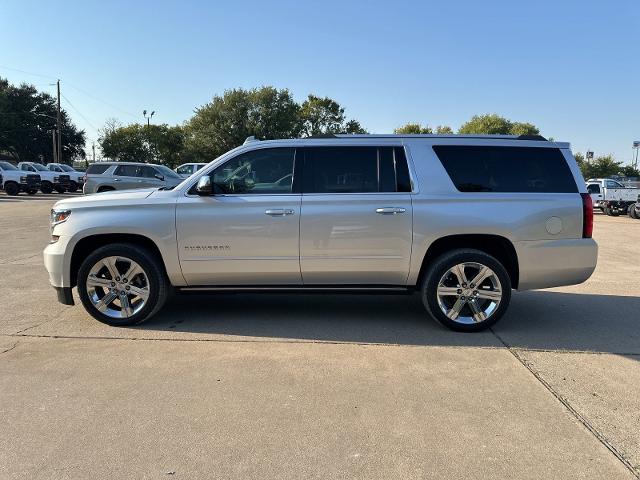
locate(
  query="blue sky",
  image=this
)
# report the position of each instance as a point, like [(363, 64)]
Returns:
[(570, 67)]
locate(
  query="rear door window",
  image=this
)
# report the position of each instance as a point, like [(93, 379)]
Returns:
[(506, 169), (97, 169), (126, 171), (355, 170)]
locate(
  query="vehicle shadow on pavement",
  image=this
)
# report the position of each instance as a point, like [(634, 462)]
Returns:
[(544, 320)]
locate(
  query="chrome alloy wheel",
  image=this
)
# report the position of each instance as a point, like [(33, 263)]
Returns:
[(117, 287), (469, 293)]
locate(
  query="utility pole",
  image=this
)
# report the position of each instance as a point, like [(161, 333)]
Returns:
[(53, 137), (93, 147), (59, 122)]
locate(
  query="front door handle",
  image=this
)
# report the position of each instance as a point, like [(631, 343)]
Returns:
[(390, 210), (116, 179), (278, 212)]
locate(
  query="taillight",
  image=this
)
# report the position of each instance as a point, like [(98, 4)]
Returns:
[(587, 215)]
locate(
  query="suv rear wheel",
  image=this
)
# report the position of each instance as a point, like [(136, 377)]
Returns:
[(466, 290), (122, 284)]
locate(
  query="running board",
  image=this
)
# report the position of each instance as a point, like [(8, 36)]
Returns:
[(361, 289)]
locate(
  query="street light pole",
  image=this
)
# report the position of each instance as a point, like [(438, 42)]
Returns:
[(53, 137), (144, 114)]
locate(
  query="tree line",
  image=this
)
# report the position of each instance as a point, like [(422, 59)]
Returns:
[(27, 123), (27, 118)]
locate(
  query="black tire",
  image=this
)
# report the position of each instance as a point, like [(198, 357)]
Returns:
[(73, 187), (437, 270), (46, 187), (11, 188), (32, 191), (614, 212), (633, 211), (59, 189), (158, 283), (105, 189)]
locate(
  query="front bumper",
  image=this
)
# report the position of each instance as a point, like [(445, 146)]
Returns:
[(554, 263)]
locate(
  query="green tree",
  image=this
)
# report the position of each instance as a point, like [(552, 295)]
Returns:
[(143, 143), (226, 121), (444, 130), (321, 116), (413, 129), (27, 119), (493, 124), (604, 166)]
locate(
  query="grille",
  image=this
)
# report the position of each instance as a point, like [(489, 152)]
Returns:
[(33, 179), (64, 179)]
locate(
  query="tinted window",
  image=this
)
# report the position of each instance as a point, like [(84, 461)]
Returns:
[(260, 171), (146, 172), (506, 169), (185, 169), (97, 169), (593, 188), (7, 166), (356, 170), (27, 168), (126, 171)]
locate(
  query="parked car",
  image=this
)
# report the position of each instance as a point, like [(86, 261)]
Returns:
[(460, 219), (611, 196), (49, 181), (76, 177), (187, 169), (106, 176), (14, 181)]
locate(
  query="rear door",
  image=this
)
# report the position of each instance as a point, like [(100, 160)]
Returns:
[(356, 220), (125, 177)]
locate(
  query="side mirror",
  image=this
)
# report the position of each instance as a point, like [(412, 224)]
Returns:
[(204, 186), (159, 177)]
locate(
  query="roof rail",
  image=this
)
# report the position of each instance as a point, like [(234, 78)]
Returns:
[(323, 135), (539, 138)]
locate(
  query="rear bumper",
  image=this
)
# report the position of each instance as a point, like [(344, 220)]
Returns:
[(554, 263)]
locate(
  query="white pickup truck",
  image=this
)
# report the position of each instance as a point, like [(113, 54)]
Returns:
[(611, 196), (14, 181)]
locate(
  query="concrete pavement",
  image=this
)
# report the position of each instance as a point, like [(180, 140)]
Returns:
[(273, 386)]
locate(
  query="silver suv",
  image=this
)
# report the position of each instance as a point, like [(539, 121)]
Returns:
[(107, 176), (462, 220)]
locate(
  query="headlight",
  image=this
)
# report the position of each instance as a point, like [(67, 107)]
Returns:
[(23, 179), (58, 216)]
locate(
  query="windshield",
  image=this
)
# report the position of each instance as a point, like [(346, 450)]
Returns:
[(66, 168), (40, 167), (7, 166), (167, 172)]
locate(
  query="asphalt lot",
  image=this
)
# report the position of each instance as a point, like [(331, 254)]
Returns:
[(275, 386)]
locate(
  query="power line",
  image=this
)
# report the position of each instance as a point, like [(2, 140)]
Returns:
[(100, 100), (74, 87), (25, 72), (79, 112)]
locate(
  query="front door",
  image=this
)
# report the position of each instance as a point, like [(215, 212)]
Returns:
[(356, 226), (247, 231)]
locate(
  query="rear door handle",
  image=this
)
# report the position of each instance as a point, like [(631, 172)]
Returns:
[(278, 212), (390, 210), (116, 179)]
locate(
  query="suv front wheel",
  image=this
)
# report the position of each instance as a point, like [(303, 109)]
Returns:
[(466, 290), (122, 284)]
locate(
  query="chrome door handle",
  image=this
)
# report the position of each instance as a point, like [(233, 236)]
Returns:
[(390, 210), (278, 212), (116, 179)]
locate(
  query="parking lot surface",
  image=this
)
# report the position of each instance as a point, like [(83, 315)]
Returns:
[(324, 386)]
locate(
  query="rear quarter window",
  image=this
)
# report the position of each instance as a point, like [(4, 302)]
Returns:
[(506, 169), (97, 169)]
